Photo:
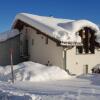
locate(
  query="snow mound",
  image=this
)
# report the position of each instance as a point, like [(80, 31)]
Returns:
[(34, 72)]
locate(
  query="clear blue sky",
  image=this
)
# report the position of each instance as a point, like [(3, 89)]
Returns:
[(70, 9)]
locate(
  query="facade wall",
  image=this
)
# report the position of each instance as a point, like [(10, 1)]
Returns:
[(76, 62), (5, 51), (40, 52)]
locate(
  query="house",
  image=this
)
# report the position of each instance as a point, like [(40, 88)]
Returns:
[(70, 44), (9, 41)]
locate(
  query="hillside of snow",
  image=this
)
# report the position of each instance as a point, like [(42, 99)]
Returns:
[(34, 72)]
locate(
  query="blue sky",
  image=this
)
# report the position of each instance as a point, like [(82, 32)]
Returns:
[(70, 9)]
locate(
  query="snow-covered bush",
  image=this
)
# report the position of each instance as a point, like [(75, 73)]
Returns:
[(96, 69)]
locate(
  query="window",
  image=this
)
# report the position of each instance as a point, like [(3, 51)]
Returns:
[(32, 41), (46, 40), (88, 40), (26, 48)]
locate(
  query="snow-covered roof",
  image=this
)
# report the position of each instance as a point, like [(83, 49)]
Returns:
[(63, 30), (8, 34)]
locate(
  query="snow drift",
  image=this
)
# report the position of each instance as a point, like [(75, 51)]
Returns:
[(34, 72)]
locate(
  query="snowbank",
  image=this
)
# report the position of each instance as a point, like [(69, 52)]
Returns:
[(34, 72)]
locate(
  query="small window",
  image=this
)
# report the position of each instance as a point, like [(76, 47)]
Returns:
[(42, 37), (26, 48), (32, 41), (85, 49), (88, 40), (46, 40), (79, 50)]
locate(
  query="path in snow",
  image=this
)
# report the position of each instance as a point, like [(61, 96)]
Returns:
[(74, 89)]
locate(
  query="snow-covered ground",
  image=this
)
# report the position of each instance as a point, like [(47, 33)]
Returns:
[(34, 72), (50, 87)]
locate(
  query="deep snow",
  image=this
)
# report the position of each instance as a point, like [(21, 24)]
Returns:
[(53, 83), (34, 72), (80, 88)]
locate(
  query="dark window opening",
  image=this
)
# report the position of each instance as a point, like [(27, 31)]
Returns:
[(32, 41), (46, 40), (42, 37), (88, 40), (26, 48)]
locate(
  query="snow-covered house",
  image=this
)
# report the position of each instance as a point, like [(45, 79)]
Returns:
[(69, 44)]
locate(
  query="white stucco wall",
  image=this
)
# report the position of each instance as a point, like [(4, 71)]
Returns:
[(41, 52), (76, 63)]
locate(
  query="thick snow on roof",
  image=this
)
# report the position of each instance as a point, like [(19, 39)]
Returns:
[(8, 34), (63, 30), (98, 37), (77, 25)]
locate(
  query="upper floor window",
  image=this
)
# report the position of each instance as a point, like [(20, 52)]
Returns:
[(88, 40)]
